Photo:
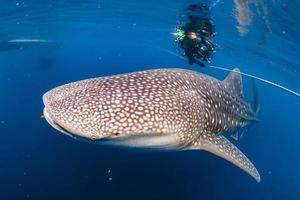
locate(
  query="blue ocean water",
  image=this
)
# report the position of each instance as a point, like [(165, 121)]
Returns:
[(82, 39)]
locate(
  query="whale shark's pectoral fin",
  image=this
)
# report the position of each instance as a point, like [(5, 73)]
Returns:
[(220, 146)]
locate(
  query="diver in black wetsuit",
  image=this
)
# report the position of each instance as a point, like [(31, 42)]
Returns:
[(194, 37)]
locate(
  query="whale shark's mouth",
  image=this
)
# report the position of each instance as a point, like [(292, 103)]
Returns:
[(60, 128), (55, 124)]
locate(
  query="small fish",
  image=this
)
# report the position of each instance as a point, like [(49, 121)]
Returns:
[(161, 108), (17, 44)]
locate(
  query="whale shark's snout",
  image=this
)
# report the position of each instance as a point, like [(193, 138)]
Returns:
[(65, 112)]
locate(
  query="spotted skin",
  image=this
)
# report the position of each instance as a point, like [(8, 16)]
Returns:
[(194, 108)]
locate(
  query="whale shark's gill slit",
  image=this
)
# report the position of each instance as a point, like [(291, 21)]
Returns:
[(242, 73)]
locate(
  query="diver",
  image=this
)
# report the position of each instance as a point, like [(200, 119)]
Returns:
[(194, 37)]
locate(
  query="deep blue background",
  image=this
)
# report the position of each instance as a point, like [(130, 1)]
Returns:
[(95, 38)]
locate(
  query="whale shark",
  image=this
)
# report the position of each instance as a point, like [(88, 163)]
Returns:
[(161, 108)]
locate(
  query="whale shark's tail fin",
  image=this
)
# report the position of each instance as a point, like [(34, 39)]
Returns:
[(255, 102), (233, 82)]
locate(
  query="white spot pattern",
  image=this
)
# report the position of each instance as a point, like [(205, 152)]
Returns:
[(193, 106)]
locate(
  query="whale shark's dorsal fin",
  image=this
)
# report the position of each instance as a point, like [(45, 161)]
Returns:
[(220, 146), (233, 83)]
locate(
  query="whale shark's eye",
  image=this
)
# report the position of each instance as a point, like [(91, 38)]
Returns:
[(116, 134)]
